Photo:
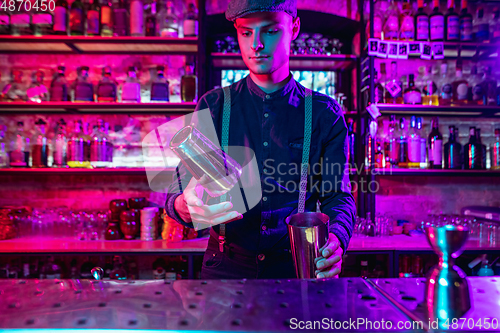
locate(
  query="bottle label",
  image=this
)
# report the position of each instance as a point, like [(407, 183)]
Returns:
[(32, 92), (136, 18), (4, 19), (422, 27), (407, 28), (392, 27), (430, 88), (437, 152), (190, 28), (446, 91), (452, 28), (462, 91), (93, 22), (20, 19), (76, 20), (106, 16), (413, 97), (60, 19), (17, 158), (423, 150), (482, 32), (477, 92), (131, 92), (41, 19), (393, 88), (437, 27), (414, 153), (466, 28)]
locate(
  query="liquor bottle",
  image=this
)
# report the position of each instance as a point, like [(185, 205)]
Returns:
[(93, 19), (460, 86), (481, 28), (378, 95), (495, 151), (5, 23), (131, 88), (352, 142), (59, 86), (60, 145), (118, 272), (76, 19), (446, 88), (421, 23), (423, 144), (414, 153), (473, 158), (87, 138), (20, 21), (190, 23), (465, 23), (482, 147), (451, 20), (429, 89), (42, 23), (368, 141), (412, 95), (407, 22), (51, 270), (435, 142), (109, 147), (403, 144), (17, 147), (476, 93), (4, 157), (394, 87), (393, 139), (120, 19), (159, 269), (15, 91), (106, 18), (151, 19), (495, 27), (77, 148), (391, 27), (83, 89), (100, 147), (106, 88), (37, 92), (136, 18), (61, 18), (40, 146), (169, 25), (379, 154), (160, 86), (489, 85), (436, 23), (378, 19), (189, 84), (453, 151)]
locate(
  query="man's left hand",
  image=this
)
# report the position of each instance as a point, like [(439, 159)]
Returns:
[(330, 263)]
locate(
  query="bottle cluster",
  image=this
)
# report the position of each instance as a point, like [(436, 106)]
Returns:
[(105, 18)]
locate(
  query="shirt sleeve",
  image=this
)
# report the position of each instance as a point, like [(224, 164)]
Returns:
[(335, 190)]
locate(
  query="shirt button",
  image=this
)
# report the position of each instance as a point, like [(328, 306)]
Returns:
[(265, 170), (264, 198), (267, 96), (266, 114), (265, 143), (261, 257), (264, 227)]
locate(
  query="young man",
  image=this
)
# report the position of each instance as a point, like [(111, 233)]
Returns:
[(268, 116)]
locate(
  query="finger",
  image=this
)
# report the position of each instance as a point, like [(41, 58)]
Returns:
[(327, 262), (211, 210), (217, 219), (328, 274), (192, 200), (331, 247)]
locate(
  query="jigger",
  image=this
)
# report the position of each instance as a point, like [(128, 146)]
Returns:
[(97, 273), (308, 234), (447, 291)]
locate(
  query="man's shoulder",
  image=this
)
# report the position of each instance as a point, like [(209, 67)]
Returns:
[(326, 105)]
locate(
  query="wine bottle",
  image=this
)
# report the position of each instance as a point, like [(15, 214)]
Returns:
[(472, 152), (452, 151), (435, 141), (451, 19)]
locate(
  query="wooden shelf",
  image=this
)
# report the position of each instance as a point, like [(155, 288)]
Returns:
[(94, 107), (441, 111), (297, 62), (431, 172), (78, 171), (98, 45)]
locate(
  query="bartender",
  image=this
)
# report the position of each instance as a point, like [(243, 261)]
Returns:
[(267, 114)]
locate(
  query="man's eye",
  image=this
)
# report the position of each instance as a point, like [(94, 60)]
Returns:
[(245, 33), (272, 32)]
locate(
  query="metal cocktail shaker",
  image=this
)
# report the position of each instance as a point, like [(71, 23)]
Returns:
[(308, 234)]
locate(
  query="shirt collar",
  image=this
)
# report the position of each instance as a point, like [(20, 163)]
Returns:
[(256, 90)]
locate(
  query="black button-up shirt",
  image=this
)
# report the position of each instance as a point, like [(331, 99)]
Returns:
[(272, 125)]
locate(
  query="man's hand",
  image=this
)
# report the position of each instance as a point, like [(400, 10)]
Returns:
[(190, 207), (330, 263)]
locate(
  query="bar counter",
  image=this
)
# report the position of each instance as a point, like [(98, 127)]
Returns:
[(232, 305)]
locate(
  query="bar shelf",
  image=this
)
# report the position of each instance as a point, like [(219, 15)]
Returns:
[(441, 111), (81, 171), (98, 45)]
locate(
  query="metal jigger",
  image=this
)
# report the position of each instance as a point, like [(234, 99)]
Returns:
[(447, 291), (97, 273), (308, 234)]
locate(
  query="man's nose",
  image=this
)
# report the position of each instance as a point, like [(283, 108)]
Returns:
[(257, 43)]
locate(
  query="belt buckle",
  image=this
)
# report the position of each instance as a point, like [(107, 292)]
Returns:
[(221, 243)]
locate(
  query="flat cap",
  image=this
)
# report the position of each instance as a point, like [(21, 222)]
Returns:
[(240, 8)]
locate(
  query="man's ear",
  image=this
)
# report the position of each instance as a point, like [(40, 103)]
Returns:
[(295, 27)]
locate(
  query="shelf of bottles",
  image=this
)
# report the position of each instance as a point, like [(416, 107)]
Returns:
[(94, 107), (82, 171)]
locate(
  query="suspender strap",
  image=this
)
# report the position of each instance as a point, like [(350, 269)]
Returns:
[(226, 115), (305, 150)]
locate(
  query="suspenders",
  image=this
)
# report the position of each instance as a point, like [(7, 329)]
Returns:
[(226, 115)]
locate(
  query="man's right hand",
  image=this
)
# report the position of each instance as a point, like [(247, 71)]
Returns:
[(191, 208)]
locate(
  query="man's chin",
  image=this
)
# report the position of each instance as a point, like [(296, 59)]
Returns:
[(260, 70)]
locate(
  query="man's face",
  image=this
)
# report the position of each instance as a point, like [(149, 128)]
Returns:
[(265, 39)]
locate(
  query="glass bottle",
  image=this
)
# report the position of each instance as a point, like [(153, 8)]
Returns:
[(189, 84), (76, 148), (429, 90), (106, 88), (4, 157), (489, 85), (151, 19), (39, 146), (17, 147), (495, 27), (160, 86), (20, 21), (453, 151), (465, 23), (61, 18), (423, 144), (452, 26), (460, 86), (495, 151), (391, 26), (93, 19), (120, 19), (42, 23), (435, 141), (83, 89), (76, 18), (476, 93), (414, 146), (5, 23), (169, 25), (136, 18), (378, 19), (352, 143), (368, 150), (394, 87), (482, 147), (131, 88), (59, 86), (412, 95), (472, 152), (481, 29), (60, 145), (100, 147), (51, 270), (421, 23), (37, 92), (407, 22), (403, 144), (118, 273), (106, 18), (87, 138), (393, 140), (446, 88), (15, 91), (108, 146), (190, 23), (436, 23)]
